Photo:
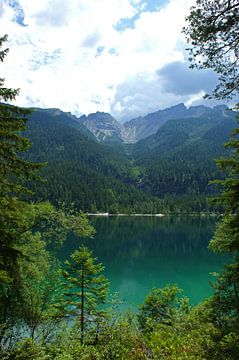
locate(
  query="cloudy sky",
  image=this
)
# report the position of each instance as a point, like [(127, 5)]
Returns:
[(126, 57)]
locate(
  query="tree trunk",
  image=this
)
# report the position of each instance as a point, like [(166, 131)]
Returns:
[(82, 306)]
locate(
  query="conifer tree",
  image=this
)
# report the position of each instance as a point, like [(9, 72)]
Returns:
[(86, 287), (14, 170), (213, 32)]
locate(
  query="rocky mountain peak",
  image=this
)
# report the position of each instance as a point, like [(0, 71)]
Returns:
[(106, 128), (103, 125)]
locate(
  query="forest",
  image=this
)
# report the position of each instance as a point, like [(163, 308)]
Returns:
[(50, 310), (168, 172)]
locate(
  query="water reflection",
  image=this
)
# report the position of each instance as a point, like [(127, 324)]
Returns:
[(140, 253)]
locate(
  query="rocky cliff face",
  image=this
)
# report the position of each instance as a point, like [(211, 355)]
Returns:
[(106, 128), (103, 126), (142, 127)]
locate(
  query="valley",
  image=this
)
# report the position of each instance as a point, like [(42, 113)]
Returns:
[(160, 163)]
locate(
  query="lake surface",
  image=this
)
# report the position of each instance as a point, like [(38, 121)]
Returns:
[(144, 252)]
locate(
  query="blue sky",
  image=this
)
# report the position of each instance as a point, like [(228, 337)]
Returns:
[(126, 57), (149, 6)]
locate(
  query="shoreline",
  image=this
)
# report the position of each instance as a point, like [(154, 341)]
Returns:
[(159, 215), (120, 214)]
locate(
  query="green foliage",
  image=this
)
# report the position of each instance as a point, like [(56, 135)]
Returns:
[(41, 289), (27, 349), (163, 173), (92, 176), (191, 334), (86, 288), (28, 303), (32, 303), (225, 300), (119, 341), (226, 238), (180, 158), (161, 306), (212, 31), (28, 273), (167, 343), (13, 170), (226, 297)]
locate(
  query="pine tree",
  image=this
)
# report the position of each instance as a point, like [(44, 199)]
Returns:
[(86, 288), (213, 31), (225, 299), (13, 171)]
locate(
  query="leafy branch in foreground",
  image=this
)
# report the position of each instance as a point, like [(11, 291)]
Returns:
[(213, 32)]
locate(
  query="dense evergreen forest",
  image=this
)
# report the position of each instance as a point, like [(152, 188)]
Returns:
[(81, 171), (166, 172), (50, 310)]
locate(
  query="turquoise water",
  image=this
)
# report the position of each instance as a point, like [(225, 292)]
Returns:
[(144, 252)]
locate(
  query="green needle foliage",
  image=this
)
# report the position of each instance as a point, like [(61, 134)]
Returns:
[(86, 288), (213, 31), (225, 300), (13, 171), (28, 272), (161, 306)]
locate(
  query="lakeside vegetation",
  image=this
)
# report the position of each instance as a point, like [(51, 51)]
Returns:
[(50, 311)]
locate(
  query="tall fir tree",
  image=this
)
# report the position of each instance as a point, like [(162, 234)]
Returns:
[(86, 288), (14, 170), (213, 32)]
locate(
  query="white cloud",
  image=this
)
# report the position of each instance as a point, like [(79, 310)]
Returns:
[(71, 56), (144, 93), (54, 14)]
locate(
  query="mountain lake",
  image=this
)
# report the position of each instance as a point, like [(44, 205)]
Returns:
[(140, 253)]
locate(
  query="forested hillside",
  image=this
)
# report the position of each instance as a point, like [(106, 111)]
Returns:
[(166, 172), (81, 171), (180, 157)]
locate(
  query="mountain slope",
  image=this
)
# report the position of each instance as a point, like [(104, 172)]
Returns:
[(180, 157), (109, 131), (195, 126), (103, 126), (167, 171), (142, 127), (80, 170)]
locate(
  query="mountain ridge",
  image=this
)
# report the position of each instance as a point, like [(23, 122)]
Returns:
[(166, 171), (107, 129)]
